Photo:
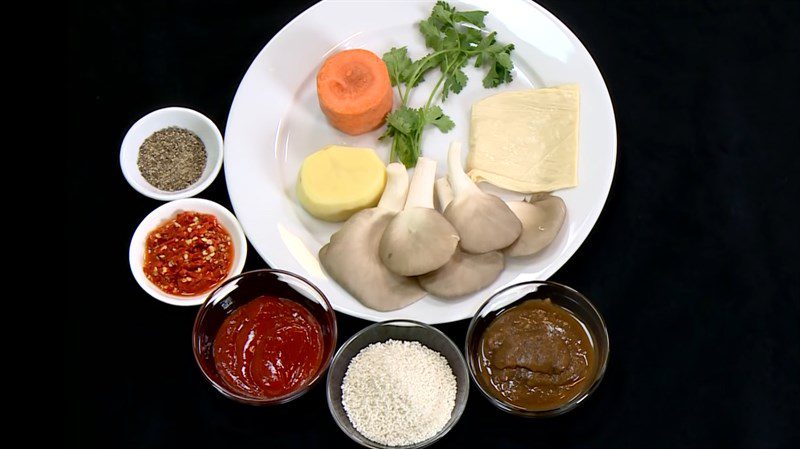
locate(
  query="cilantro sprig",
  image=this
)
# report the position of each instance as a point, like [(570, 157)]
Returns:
[(455, 38)]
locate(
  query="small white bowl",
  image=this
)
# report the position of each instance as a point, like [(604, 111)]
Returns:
[(167, 212), (184, 118)]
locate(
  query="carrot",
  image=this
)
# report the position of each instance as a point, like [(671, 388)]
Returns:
[(354, 91)]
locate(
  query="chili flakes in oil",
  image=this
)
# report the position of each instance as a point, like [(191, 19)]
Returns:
[(188, 255)]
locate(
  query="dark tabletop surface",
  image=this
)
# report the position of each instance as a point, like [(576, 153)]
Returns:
[(693, 262)]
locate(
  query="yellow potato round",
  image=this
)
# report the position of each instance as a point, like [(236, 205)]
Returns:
[(338, 181)]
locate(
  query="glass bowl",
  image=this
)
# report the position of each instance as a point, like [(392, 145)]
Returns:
[(396, 330), (242, 289), (560, 295)]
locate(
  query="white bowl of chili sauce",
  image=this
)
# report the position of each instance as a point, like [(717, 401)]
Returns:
[(184, 249)]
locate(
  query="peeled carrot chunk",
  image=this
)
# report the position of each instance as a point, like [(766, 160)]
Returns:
[(354, 91)]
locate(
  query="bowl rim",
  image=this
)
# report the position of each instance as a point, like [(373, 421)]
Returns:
[(568, 406), (456, 410), (140, 235), (292, 395), (149, 191)]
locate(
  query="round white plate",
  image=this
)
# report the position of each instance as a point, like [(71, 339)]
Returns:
[(275, 122)]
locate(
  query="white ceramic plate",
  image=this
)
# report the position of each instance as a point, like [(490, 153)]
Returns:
[(275, 122)]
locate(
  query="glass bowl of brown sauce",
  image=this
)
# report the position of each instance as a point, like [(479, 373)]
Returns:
[(537, 349)]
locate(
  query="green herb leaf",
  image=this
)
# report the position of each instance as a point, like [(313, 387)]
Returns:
[(454, 82), (451, 39), (470, 38), (473, 17), (397, 61), (404, 150), (435, 116), (403, 126), (500, 68), (443, 14), (404, 120), (433, 37), (504, 59), (389, 132), (486, 48)]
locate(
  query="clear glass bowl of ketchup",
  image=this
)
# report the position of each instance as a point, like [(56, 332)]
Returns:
[(264, 337)]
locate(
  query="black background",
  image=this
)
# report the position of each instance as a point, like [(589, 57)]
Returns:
[(693, 261)]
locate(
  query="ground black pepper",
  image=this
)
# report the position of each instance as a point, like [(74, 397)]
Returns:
[(172, 159)]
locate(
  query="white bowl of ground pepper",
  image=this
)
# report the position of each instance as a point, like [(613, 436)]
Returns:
[(171, 153)]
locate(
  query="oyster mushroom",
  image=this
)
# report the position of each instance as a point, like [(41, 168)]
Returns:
[(351, 257), (465, 273), (483, 221), (542, 218), (419, 239)]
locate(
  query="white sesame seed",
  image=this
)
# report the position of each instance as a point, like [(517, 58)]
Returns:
[(398, 392)]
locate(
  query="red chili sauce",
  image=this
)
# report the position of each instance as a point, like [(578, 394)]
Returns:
[(268, 347), (188, 255)]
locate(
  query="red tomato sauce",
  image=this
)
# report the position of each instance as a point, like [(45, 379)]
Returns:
[(268, 347), (188, 255)]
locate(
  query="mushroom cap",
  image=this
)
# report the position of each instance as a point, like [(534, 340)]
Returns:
[(352, 260), (541, 219), (465, 273), (483, 221), (417, 241)]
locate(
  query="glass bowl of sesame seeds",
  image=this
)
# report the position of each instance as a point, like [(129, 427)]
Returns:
[(171, 153), (397, 384)]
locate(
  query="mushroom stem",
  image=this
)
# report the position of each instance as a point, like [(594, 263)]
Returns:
[(459, 181), (444, 193), (420, 193), (394, 194)]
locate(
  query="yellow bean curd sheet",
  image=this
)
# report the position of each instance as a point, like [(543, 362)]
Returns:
[(526, 141)]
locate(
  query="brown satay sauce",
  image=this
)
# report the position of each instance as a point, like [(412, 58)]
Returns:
[(536, 356)]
